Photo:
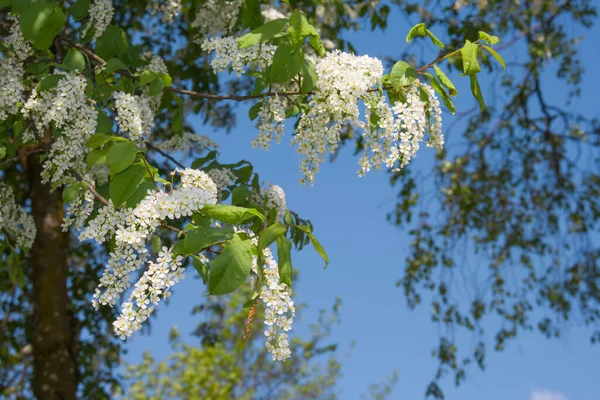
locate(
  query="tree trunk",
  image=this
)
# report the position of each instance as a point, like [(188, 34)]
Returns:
[(54, 368)]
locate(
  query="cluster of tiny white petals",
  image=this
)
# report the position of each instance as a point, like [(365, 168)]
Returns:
[(132, 229), (169, 9), (222, 177), (279, 307), (343, 80), (12, 70), (101, 13), (134, 116), (270, 122), (412, 123), (217, 17), (155, 283), (270, 13), (229, 56), (78, 211), (14, 220), (274, 199), (70, 112), (186, 142)]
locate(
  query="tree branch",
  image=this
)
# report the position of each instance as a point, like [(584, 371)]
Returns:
[(164, 154)]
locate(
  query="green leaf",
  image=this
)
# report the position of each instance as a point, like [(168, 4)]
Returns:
[(74, 60), (420, 30), (156, 244), (113, 65), (491, 39), (79, 9), (105, 124), (230, 214), (231, 268), (156, 87), (100, 139), (49, 82), (166, 79), (148, 76), (286, 64), (309, 76), (269, 235), (71, 192), (107, 45), (202, 269), (124, 184), (41, 22), (199, 162), (315, 243), (140, 193), (120, 156), (402, 75), (2, 152), (254, 110), (177, 122), (445, 80), (437, 86), (250, 14), (469, 58), (476, 90), (262, 33), (240, 195), (495, 55), (204, 236), (284, 260)]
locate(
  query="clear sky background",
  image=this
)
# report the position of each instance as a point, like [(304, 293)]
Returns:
[(367, 254)]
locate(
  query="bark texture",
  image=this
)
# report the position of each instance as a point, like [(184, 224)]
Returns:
[(54, 367)]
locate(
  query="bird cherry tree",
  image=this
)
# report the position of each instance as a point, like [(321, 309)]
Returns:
[(81, 102)]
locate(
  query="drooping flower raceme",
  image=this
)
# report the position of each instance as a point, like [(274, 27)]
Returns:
[(186, 142), (101, 13), (12, 70), (222, 177), (274, 199), (217, 17), (229, 55), (14, 220), (343, 80), (280, 309), (270, 122), (168, 8), (68, 110), (132, 229), (134, 116)]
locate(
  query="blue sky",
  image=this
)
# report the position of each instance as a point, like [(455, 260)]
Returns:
[(367, 253)]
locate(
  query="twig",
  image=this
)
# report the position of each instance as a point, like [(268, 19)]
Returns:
[(164, 154), (9, 160), (90, 187)]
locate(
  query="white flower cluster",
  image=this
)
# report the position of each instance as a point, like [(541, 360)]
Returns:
[(271, 197), (270, 122), (217, 17), (132, 229), (229, 55), (154, 283), (14, 220), (101, 13), (396, 137), (168, 8), (134, 116), (78, 210), (270, 13), (186, 142), (343, 80), (222, 177), (12, 70), (280, 309), (71, 113)]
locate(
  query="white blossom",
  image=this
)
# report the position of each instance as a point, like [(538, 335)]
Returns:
[(217, 17), (229, 55), (222, 177), (270, 122), (12, 70), (270, 13), (187, 142), (73, 115), (134, 116), (169, 9), (274, 199), (101, 13), (14, 220)]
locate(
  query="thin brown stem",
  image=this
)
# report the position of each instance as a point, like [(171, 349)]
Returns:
[(164, 154)]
